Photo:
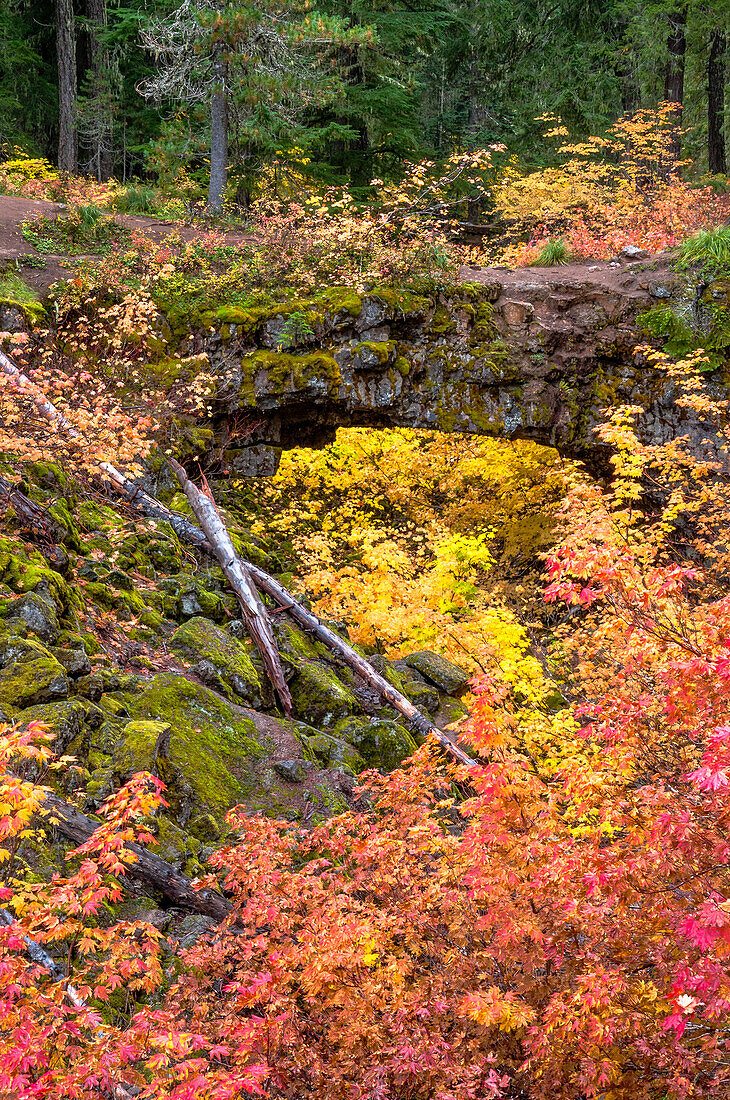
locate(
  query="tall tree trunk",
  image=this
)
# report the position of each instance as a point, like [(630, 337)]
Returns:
[(66, 53), (716, 103), (674, 73), (98, 61), (218, 138)]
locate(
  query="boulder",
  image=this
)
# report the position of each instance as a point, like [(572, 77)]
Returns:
[(633, 252), (381, 743), (38, 614), (333, 752), (219, 659), (64, 720), (214, 758), (75, 661), (292, 771), (38, 680), (438, 670), (319, 696), (414, 686)]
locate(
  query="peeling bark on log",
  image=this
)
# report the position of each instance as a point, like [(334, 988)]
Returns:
[(254, 613), (154, 872), (30, 515)]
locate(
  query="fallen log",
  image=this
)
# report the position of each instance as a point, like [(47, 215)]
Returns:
[(155, 873), (31, 516), (253, 611), (358, 664), (182, 526)]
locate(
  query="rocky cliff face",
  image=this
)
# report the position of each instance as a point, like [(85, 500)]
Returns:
[(533, 354)]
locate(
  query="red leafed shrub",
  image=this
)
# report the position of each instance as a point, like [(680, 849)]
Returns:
[(561, 931)]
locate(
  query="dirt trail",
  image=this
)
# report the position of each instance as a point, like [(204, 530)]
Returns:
[(14, 211), (14, 247)]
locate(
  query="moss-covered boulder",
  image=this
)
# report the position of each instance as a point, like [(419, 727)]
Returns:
[(38, 679), (213, 758), (333, 752), (73, 658), (63, 720), (39, 615), (319, 696), (219, 659), (438, 670), (381, 742)]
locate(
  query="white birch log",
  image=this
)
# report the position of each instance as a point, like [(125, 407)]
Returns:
[(254, 613)]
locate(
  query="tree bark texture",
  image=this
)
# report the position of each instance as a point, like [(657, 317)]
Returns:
[(218, 137), (66, 55), (103, 154), (716, 157), (674, 73)]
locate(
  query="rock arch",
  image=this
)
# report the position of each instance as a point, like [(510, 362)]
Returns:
[(532, 354)]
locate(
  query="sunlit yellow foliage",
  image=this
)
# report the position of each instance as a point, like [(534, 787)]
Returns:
[(419, 539)]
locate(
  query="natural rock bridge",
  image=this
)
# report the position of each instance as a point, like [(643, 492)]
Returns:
[(531, 354)]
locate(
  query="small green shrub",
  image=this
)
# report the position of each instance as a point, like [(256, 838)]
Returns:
[(553, 252), (136, 198), (708, 247)]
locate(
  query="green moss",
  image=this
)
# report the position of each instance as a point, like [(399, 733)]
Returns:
[(236, 315), (215, 755), (291, 372), (319, 696), (296, 645), (15, 292), (333, 752), (382, 743), (37, 680), (382, 350), (441, 323), (337, 299), (222, 660), (326, 803), (483, 327), (26, 570), (402, 366)]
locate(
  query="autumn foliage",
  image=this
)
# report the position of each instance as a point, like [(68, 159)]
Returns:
[(552, 923), (623, 188)]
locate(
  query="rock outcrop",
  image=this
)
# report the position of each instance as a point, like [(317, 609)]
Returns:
[(533, 354)]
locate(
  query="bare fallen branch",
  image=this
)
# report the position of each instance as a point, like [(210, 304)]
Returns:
[(254, 613), (153, 872)]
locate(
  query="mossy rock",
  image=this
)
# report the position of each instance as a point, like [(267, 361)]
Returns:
[(37, 613), (38, 680), (27, 571), (219, 659), (63, 720), (439, 670), (297, 646), (441, 323), (319, 696), (414, 686), (216, 757), (278, 371), (381, 742), (333, 752)]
